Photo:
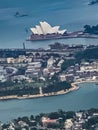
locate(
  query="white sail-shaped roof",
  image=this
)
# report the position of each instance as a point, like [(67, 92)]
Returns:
[(45, 28), (53, 30), (34, 30), (39, 30), (62, 31)]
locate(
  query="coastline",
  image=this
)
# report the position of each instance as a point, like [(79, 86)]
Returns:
[(69, 36), (74, 87), (62, 92)]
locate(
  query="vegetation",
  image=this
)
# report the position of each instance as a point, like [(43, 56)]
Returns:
[(68, 63), (89, 53), (57, 86), (21, 71), (91, 122), (51, 84), (11, 88), (35, 122), (91, 29), (20, 92), (12, 53), (93, 2), (25, 88), (60, 115)]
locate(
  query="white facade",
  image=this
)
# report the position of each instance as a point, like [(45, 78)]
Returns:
[(50, 62), (10, 60), (34, 64), (39, 30), (33, 67), (68, 123), (45, 28)]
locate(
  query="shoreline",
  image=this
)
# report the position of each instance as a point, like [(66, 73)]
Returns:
[(62, 92), (70, 36), (75, 86)]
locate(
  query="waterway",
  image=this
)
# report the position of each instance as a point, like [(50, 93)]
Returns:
[(84, 98), (69, 14)]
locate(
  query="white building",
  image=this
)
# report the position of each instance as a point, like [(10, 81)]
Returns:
[(34, 64), (45, 28), (33, 69), (10, 60), (60, 63), (62, 77), (68, 124), (50, 62), (45, 72)]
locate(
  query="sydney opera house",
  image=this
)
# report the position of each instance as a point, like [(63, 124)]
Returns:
[(45, 31)]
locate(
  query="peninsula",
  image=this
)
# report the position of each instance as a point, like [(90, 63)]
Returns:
[(33, 73), (45, 31)]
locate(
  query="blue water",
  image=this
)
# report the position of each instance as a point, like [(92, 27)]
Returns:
[(84, 98), (69, 14)]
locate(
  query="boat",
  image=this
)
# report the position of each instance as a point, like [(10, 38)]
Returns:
[(17, 14)]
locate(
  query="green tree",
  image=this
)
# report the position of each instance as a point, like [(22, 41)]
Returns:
[(31, 117), (70, 114), (67, 63)]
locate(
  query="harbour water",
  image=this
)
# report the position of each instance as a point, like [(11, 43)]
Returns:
[(84, 98), (69, 14)]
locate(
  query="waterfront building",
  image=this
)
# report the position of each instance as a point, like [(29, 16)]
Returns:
[(46, 121), (68, 124), (44, 28)]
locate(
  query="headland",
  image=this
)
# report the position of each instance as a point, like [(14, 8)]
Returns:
[(45, 31), (28, 73)]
